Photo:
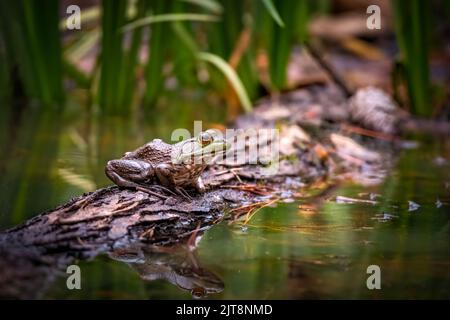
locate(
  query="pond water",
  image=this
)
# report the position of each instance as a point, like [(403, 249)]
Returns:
[(286, 251)]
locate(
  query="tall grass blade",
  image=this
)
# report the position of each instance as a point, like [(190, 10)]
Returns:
[(32, 45), (159, 45), (210, 5), (170, 17), (231, 75), (112, 56), (130, 58), (273, 12), (295, 16), (184, 60), (412, 29), (79, 48), (73, 72)]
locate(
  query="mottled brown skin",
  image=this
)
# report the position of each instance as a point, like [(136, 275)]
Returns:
[(154, 162)]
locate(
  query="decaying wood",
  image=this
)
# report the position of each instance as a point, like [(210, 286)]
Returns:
[(110, 218)]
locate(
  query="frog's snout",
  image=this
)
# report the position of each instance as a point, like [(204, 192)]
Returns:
[(114, 165)]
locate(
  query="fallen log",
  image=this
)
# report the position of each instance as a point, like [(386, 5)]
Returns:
[(35, 252)]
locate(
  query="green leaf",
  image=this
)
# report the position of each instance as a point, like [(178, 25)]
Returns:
[(273, 12), (412, 23), (231, 75), (71, 70), (185, 37), (170, 17), (77, 50), (210, 5)]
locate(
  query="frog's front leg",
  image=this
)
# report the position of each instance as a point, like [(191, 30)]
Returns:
[(164, 173), (129, 173)]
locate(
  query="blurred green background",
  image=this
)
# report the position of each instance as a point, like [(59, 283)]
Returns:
[(128, 52), (72, 99)]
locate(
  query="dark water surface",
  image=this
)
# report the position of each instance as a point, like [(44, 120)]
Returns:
[(284, 252)]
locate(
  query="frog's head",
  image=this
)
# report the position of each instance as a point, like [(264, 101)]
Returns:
[(201, 149)]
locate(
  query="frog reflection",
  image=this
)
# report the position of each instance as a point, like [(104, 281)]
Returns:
[(176, 265)]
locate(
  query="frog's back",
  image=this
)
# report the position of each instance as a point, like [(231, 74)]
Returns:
[(156, 151)]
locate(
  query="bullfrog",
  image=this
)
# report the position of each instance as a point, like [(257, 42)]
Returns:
[(174, 166)]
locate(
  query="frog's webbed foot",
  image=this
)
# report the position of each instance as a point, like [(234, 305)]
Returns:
[(198, 185)]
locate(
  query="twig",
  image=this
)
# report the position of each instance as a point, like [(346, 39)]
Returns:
[(251, 214), (151, 192), (328, 69), (342, 199), (370, 133), (252, 209), (240, 48), (191, 241), (259, 190)]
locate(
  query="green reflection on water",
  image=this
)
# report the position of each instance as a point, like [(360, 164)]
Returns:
[(48, 158), (286, 253), (283, 253)]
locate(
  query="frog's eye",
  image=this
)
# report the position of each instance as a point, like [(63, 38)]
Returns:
[(205, 138)]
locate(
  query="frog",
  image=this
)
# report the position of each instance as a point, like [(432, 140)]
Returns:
[(174, 166)]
